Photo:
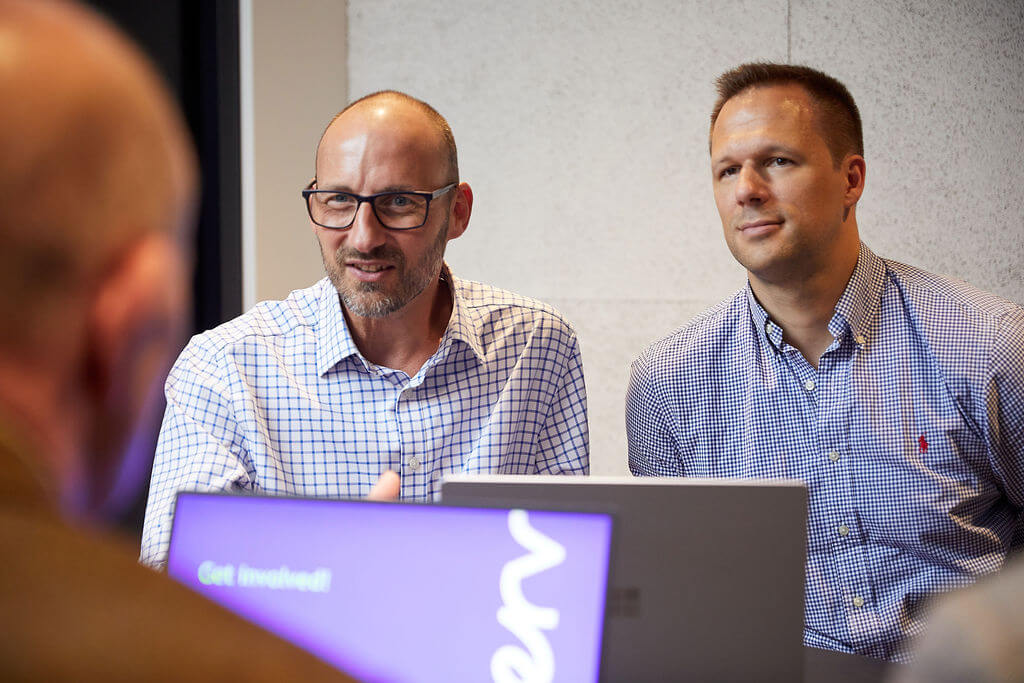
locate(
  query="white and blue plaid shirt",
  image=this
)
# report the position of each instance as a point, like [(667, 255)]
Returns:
[(280, 401), (909, 436)]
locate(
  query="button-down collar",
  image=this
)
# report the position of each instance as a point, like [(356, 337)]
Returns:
[(861, 299), (335, 342), (854, 311)]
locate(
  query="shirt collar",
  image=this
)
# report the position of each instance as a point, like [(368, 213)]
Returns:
[(853, 311), (335, 341), (861, 298), (463, 325), (765, 326)]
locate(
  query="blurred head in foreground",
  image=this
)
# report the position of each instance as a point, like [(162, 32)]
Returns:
[(97, 181)]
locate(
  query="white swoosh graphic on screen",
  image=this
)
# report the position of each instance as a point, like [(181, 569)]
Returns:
[(535, 664)]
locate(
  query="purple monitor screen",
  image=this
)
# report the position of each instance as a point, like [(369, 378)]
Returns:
[(406, 592)]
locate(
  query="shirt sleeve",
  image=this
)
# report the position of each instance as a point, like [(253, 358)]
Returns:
[(1004, 396), (199, 449), (652, 449), (564, 443)]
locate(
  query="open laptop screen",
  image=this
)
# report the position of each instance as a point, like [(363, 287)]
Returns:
[(406, 592)]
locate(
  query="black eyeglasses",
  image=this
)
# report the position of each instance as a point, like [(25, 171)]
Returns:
[(395, 210)]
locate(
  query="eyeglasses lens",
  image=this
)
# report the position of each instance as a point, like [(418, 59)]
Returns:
[(394, 209)]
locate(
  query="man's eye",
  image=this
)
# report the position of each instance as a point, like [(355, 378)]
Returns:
[(338, 200), (779, 161), (730, 171), (399, 203)]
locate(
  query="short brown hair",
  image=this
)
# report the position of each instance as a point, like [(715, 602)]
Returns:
[(840, 118)]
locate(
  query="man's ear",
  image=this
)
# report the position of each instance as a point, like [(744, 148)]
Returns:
[(855, 172), (462, 208), (134, 326)]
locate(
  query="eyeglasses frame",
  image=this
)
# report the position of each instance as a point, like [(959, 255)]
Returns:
[(361, 199)]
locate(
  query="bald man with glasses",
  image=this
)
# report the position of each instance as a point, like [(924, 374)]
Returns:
[(390, 364)]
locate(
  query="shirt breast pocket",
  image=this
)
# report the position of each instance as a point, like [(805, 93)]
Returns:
[(947, 452), (932, 470)]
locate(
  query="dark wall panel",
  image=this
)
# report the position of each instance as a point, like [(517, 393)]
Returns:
[(195, 45)]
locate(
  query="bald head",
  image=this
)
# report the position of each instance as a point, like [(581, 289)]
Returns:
[(400, 110), (97, 181), (95, 154)]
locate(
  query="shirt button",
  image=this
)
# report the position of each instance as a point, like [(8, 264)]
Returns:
[(858, 601), (414, 463), (860, 339), (809, 385), (834, 456), (843, 529)]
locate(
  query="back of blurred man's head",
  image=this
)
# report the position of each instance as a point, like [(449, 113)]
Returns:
[(97, 182)]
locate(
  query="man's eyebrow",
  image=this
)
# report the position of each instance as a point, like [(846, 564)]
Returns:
[(769, 151), (724, 158), (782, 150), (348, 190), (333, 188)]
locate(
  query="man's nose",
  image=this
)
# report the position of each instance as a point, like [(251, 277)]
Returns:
[(751, 186), (366, 233)]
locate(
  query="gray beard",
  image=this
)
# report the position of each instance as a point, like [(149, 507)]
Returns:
[(366, 299), (372, 307)]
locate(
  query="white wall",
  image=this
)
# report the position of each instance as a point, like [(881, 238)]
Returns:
[(299, 80), (582, 126)]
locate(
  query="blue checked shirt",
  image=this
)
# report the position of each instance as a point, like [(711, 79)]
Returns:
[(909, 436), (280, 401)]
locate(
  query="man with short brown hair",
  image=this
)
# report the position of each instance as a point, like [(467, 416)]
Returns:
[(895, 394), (839, 120)]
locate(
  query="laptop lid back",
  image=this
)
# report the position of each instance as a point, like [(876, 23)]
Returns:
[(707, 577)]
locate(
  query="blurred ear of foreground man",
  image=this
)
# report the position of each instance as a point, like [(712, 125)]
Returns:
[(97, 183)]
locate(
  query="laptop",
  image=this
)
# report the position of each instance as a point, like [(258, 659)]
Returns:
[(406, 591), (707, 576)]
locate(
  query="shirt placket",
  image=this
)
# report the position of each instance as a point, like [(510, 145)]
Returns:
[(394, 383), (844, 524), (415, 418), (408, 425)]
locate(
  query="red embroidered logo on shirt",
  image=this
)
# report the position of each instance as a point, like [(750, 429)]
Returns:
[(923, 443)]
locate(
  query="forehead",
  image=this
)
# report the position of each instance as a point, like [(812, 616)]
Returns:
[(376, 146), (776, 114)]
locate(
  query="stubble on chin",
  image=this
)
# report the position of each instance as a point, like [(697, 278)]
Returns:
[(370, 299), (368, 302), (364, 299), (783, 260)]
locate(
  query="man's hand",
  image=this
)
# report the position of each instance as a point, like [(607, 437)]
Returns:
[(386, 488)]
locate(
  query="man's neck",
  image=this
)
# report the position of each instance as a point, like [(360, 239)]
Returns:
[(36, 430), (804, 306), (407, 338)]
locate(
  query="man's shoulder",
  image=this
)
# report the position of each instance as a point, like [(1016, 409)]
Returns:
[(945, 299), (488, 304), (145, 612), (699, 341), (265, 321)]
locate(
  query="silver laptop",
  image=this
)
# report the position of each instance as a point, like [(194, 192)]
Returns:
[(706, 576)]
